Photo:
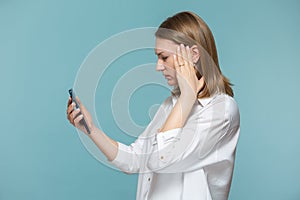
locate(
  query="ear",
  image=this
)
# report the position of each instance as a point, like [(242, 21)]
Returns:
[(195, 53)]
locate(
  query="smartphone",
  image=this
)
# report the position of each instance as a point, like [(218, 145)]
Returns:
[(73, 96)]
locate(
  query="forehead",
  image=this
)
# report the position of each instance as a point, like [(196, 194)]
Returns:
[(164, 45)]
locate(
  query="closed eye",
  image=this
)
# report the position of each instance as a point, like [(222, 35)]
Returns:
[(164, 58)]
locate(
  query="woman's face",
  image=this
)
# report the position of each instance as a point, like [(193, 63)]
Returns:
[(165, 49)]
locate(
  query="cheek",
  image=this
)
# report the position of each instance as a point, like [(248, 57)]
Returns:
[(170, 62)]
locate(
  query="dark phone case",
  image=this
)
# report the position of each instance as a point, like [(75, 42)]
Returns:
[(73, 96)]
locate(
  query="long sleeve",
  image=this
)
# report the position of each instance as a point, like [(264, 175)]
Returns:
[(132, 158), (209, 136), (128, 158)]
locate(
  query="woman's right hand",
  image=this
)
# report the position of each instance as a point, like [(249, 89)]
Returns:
[(76, 115), (185, 72)]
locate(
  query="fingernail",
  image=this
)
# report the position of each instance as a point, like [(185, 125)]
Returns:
[(178, 48)]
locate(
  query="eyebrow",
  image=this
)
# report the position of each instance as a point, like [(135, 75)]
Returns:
[(158, 54)]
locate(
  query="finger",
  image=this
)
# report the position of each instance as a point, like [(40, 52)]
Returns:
[(69, 101), (70, 120), (189, 56), (81, 106), (184, 55), (176, 65), (75, 114), (190, 62), (179, 56), (70, 108), (78, 119), (69, 105)]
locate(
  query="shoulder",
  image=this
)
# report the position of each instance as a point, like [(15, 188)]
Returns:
[(220, 106), (225, 101), (232, 110)]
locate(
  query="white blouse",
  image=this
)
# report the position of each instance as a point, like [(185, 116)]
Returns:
[(192, 162)]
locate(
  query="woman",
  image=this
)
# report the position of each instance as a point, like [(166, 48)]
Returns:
[(188, 149)]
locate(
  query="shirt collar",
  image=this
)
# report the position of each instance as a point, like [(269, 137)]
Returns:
[(202, 101), (174, 99)]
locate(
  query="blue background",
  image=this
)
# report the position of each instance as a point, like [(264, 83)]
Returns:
[(43, 43)]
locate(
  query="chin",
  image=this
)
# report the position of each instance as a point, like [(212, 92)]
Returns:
[(171, 83)]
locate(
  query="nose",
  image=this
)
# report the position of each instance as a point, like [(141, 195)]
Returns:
[(159, 66)]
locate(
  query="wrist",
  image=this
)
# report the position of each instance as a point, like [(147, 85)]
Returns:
[(189, 97), (93, 131)]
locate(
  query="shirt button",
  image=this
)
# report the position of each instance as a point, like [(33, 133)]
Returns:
[(149, 179), (162, 157)]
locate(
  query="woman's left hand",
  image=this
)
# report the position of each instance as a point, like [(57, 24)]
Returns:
[(186, 75)]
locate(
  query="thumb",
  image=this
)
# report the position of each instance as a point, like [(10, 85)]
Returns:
[(80, 104), (78, 100)]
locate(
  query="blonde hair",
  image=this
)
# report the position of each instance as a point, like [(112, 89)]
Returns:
[(189, 29)]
